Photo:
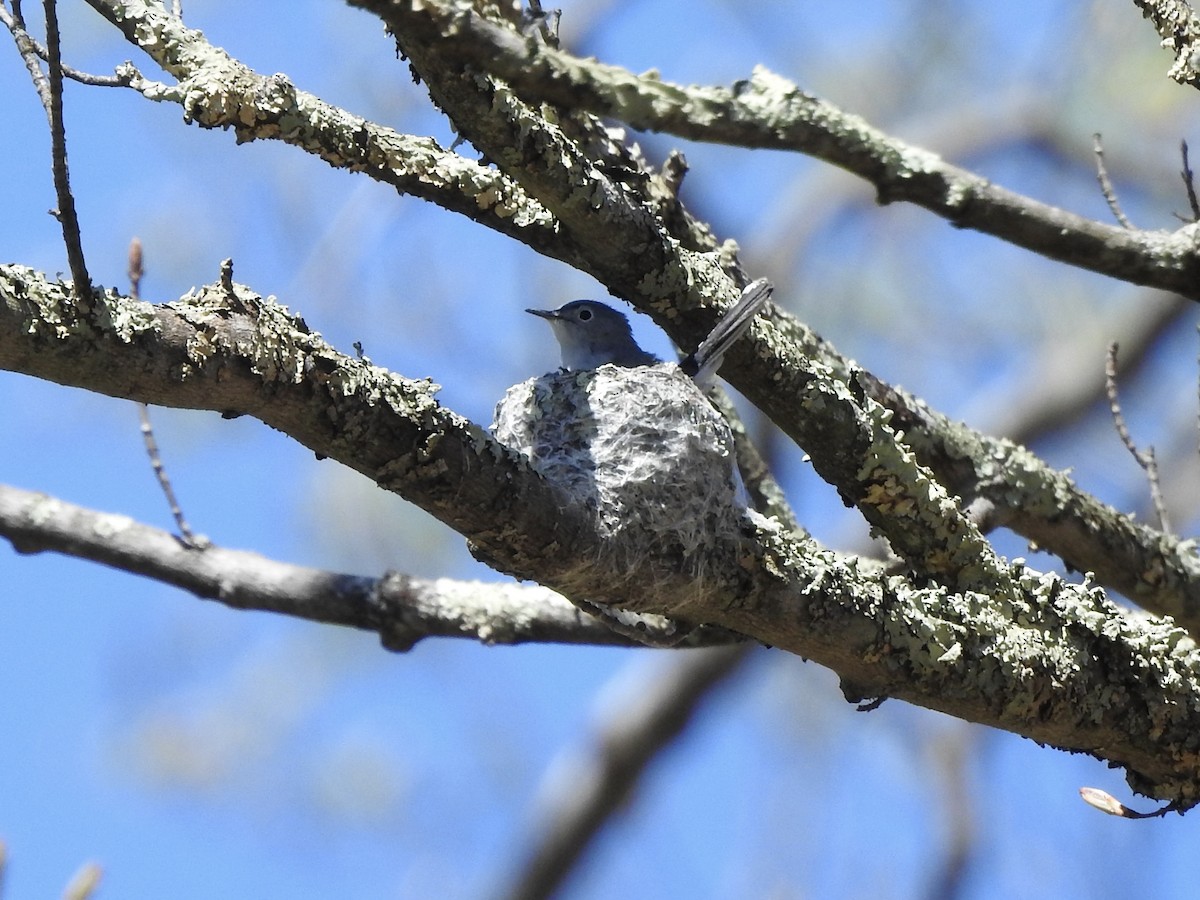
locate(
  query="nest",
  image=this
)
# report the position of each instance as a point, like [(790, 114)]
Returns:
[(645, 452)]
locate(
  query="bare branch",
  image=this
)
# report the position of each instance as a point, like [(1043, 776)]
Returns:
[(1189, 182), (401, 609), (65, 214), (1144, 459), (27, 44), (217, 91), (1106, 188), (767, 110)]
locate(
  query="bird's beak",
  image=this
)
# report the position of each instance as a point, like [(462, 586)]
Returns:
[(543, 313)]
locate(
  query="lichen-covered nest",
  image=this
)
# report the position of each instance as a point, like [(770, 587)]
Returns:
[(647, 453)]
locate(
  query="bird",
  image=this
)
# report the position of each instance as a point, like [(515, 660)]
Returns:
[(592, 334), (638, 447)]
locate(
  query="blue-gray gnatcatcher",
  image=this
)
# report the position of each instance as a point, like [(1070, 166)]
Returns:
[(592, 334), (636, 444)]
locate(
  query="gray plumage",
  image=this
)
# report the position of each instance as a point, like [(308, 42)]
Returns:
[(591, 334)]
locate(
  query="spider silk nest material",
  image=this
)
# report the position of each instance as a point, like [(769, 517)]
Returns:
[(649, 456)]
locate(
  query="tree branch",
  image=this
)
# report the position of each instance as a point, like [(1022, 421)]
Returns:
[(1054, 661), (217, 91), (31, 50), (787, 371), (1179, 29), (65, 213), (767, 110), (224, 348), (612, 236), (401, 609)]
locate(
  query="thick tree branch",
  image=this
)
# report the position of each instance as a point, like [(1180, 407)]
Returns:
[(920, 520), (1179, 29), (614, 236), (401, 609), (1054, 661), (769, 111), (1159, 571), (629, 253), (614, 233), (217, 91), (228, 350)]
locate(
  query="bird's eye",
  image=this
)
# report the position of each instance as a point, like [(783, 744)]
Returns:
[(585, 314)]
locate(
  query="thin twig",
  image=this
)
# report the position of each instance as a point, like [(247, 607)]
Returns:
[(546, 22), (190, 539), (27, 47), (1144, 459), (1106, 188), (23, 37), (66, 214), (1189, 182)]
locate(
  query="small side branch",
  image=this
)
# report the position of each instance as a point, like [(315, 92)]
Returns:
[(30, 50), (1145, 459), (65, 213), (164, 482), (401, 609), (1106, 187), (1189, 182), (190, 538)]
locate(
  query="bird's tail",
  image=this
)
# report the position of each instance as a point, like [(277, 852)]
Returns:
[(704, 362)]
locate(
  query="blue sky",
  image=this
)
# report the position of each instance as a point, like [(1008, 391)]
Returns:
[(197, 752)]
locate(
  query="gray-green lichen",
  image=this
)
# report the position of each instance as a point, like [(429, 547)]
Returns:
[(218, 91), (651, 459), (50, 309)]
